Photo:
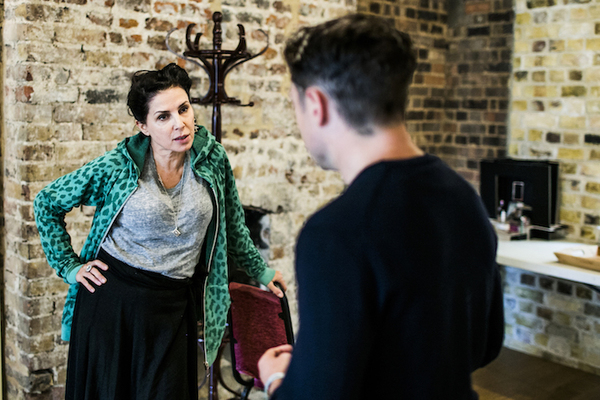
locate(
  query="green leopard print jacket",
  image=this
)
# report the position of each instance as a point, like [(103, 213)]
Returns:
[(108, 181)]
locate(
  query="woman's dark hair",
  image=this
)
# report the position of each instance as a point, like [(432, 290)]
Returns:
[(146, 84), (363, 62)]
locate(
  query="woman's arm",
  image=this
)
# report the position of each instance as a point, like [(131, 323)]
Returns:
[(84, 186)]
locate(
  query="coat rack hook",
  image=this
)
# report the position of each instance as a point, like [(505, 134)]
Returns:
[(217, 63)]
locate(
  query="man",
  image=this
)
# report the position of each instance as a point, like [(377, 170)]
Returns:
[(398, 288)]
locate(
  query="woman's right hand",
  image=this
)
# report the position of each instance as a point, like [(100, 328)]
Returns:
[(90, 272)]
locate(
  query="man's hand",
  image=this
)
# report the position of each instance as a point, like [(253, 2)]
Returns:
[(276, 359), (277, 278)]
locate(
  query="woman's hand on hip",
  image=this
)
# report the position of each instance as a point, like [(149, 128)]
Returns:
[(90, 272), (277, 278)]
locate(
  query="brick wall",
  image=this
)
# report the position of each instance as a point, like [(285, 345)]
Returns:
[(478, 70), (2, 243), (68, 67), (555, 114), (555, 101), (426, 22), (552, 318), (459, 97)]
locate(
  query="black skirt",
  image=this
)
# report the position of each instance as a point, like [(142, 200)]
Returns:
[(134, 338)]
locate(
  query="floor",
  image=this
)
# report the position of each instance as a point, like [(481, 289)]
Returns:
[(517, 376), (512, 376)]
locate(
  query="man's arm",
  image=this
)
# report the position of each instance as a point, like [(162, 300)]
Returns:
[(336, 332)]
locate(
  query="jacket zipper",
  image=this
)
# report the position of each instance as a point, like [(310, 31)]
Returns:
[(212, 252), (208, 267)]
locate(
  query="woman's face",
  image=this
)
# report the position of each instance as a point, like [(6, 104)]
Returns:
[(170, 122)]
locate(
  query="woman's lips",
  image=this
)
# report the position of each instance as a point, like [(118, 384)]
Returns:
[(181, 138)]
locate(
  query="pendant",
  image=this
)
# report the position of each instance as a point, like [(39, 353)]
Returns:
[(176, 232)]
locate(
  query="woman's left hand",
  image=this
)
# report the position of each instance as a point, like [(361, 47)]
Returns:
[(277, 278)]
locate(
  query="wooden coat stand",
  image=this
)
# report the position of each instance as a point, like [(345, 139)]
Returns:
[(217, 63)]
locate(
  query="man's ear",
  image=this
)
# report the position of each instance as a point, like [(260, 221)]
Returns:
[(318, 104), (141, 127)]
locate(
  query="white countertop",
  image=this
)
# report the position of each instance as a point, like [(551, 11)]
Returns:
[(538, 256)]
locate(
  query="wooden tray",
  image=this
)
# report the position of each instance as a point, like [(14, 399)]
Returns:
[(584, 257)]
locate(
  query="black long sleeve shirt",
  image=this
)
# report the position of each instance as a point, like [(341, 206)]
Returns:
[(399, 292)]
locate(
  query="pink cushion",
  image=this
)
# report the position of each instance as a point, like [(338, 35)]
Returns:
[(256, 326)]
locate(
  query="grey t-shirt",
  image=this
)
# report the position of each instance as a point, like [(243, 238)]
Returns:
[(143, 235)]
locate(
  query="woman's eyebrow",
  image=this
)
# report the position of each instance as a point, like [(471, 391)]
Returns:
[(185, 103)]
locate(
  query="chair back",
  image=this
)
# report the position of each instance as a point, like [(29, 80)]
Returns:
[(259, 320)]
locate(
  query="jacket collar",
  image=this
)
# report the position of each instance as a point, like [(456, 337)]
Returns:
[(136, 147)]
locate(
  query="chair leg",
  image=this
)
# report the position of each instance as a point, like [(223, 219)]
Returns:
[(213, 382), (246, 393)]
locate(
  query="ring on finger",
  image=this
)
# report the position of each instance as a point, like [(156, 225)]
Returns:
[(88, 268)]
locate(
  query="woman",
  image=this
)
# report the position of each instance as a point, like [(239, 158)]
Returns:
[(167, 215)]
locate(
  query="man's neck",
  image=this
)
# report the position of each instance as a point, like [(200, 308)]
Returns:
[(384, 144)]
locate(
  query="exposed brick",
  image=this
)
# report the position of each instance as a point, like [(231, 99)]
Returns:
[(583, 293), (166, 7), (538, 105), (100, 19), (576, 91), (500, 17), (102, 96), (527, 279), (521, 75), (538, 46), (158, 25), (479, 31), (592, 187), (157, 42), (23, 94), (557, 45), (552, 137), (500, 67), (128, 23), (415, 115), (477, 7), (134, 5), (568, 333), (564, 288), (134, 40), (592, 310), (115, 37), (281, 6), (591, 138), (427, 15), (475, 104), (544, 313), (569, 122), (530, 294), (575, 75), (595, 155), (540, 3)]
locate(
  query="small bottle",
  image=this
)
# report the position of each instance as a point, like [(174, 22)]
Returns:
[(501, 213)]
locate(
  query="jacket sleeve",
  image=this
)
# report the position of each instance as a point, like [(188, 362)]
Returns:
[(81, 187), (239, 244)]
